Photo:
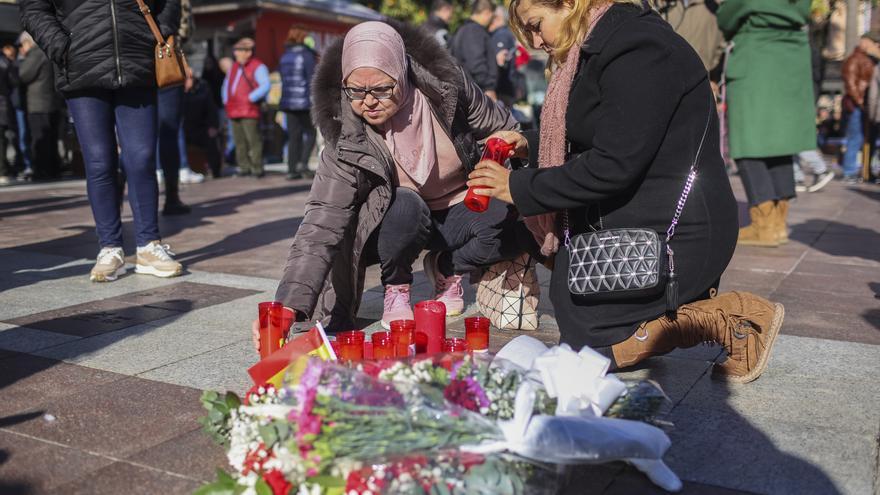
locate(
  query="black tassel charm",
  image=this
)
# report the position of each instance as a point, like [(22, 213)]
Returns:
[(672, 296)]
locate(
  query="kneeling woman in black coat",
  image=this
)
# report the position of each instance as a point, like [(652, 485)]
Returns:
[(627, 108)]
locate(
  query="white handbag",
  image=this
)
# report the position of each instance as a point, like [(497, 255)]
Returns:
[(508, 294)]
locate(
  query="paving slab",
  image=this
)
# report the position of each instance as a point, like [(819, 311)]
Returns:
[(192, 454), (220, 369), (92, 318), (828, 315), (676, 376), (32, 466), (630, 481), (120, 418), (30, 383), (122, 477), (21, 339), (185, 296), (719, 446)]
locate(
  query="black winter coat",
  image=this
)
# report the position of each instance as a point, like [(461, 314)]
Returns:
[(99, 43), (8, 80), (35, 74), (637, 110), (472, 46)]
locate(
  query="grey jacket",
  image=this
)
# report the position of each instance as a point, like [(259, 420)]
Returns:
[(37, 77), (352, 189)]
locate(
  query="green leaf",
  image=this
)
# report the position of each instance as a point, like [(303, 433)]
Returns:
[(269, 435), (262, 488), (225, 477), (225, 485), (232, 400)]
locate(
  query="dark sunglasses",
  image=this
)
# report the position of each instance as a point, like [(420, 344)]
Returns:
[(379, 93)]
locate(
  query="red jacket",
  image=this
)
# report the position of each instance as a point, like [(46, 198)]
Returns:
[(238, 105)]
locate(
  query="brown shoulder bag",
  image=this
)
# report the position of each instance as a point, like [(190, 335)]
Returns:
[(171, 65)]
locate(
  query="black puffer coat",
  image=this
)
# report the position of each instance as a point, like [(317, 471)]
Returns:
[(98, 43)]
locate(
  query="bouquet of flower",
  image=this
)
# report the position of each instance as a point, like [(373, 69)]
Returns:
[(452, 424)]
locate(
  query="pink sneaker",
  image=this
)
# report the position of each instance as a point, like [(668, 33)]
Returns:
[(447, 290), (397, 305)]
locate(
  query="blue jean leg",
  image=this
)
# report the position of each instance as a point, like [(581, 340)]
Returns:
[(854, 141), (95, 114), (24, 138)]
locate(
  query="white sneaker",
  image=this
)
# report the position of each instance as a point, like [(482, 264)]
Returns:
[(822, 180), (187, 176), (110, 265), (160, 177), (156, 259)]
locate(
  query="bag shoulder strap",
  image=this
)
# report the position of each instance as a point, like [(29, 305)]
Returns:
[(692, 174), (148, 15)]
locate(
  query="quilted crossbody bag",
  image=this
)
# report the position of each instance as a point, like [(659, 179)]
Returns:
[(625, 263)]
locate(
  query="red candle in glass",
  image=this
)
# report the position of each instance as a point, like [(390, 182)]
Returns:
[(351, 347), (402, 337), (497, 150), (476, 331), (431, 320), (455, 345), (421, 343), (383, 346), (279, 321), (263, 315)]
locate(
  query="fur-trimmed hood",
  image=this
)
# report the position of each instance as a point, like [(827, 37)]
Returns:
[(423, 52)]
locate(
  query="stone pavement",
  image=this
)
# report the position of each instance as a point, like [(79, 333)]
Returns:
[(99, 383)]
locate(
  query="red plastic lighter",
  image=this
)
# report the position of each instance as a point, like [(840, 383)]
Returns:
[(497, 150)]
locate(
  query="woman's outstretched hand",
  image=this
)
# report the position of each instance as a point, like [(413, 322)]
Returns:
[(491, 179), (521, 145)]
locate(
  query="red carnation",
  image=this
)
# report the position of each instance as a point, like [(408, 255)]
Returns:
[(278, 483)]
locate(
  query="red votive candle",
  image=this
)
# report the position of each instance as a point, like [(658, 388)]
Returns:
[(431, 320), (455, 345), (263, 315), (279, 321), (402, 337), (476, 331), (383, 346), (497, 150), (421, 343), (351, 346)]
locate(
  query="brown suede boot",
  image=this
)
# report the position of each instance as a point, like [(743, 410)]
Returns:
[(780, 221), (745, 324), (761, 232)]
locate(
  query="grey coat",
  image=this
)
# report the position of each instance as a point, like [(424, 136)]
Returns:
[(36, 75), (353, 186)]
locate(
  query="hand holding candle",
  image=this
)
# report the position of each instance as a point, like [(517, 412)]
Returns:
[(498, 151)]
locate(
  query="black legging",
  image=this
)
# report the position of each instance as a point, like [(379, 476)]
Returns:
[(767, 179), (301, 140)]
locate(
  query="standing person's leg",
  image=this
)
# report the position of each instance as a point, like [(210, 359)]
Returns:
[(854, 140), (44, 159), (208, 144), (5, 169), (24, 140), (136, 107), (762, 197), (241, 151), (294, 145), (309, 136), (398, 241), (254, 145), (93, 119), (170, 101)]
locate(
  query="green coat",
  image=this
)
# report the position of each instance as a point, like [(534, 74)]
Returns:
[(771, 109)]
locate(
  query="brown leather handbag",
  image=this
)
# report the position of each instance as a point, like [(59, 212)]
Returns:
[(171, 67)]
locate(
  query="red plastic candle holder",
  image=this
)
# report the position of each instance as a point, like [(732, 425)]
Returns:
[(383, 346), (403, 337), (497, 150), (455, 345), (476, 332)]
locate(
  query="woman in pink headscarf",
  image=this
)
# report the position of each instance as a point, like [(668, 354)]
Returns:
[(402, 124)]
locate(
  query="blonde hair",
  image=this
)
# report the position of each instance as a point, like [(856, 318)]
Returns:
[(573, 27)]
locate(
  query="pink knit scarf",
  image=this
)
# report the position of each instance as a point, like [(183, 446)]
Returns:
[(551, 151)]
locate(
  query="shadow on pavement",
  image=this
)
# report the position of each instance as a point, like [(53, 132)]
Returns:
[(840, 239), (9, 487)]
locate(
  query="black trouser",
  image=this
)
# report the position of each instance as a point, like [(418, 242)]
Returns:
[(468, 240), (211, 148), (170, 117), (300, 141), (5, 171), (767, 179), (44, 145)]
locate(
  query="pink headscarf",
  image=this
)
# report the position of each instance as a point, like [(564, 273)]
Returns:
[(410, 132), (551, 151)]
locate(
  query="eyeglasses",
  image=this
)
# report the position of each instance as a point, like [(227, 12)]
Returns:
[(242, 49), (379, 93)]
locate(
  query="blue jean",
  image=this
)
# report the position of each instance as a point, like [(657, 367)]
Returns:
[(24, 138), (95, 116), (855, 139)]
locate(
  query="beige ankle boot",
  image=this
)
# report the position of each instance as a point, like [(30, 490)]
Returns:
[(780, 221), (745, 324), (761, 232)]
